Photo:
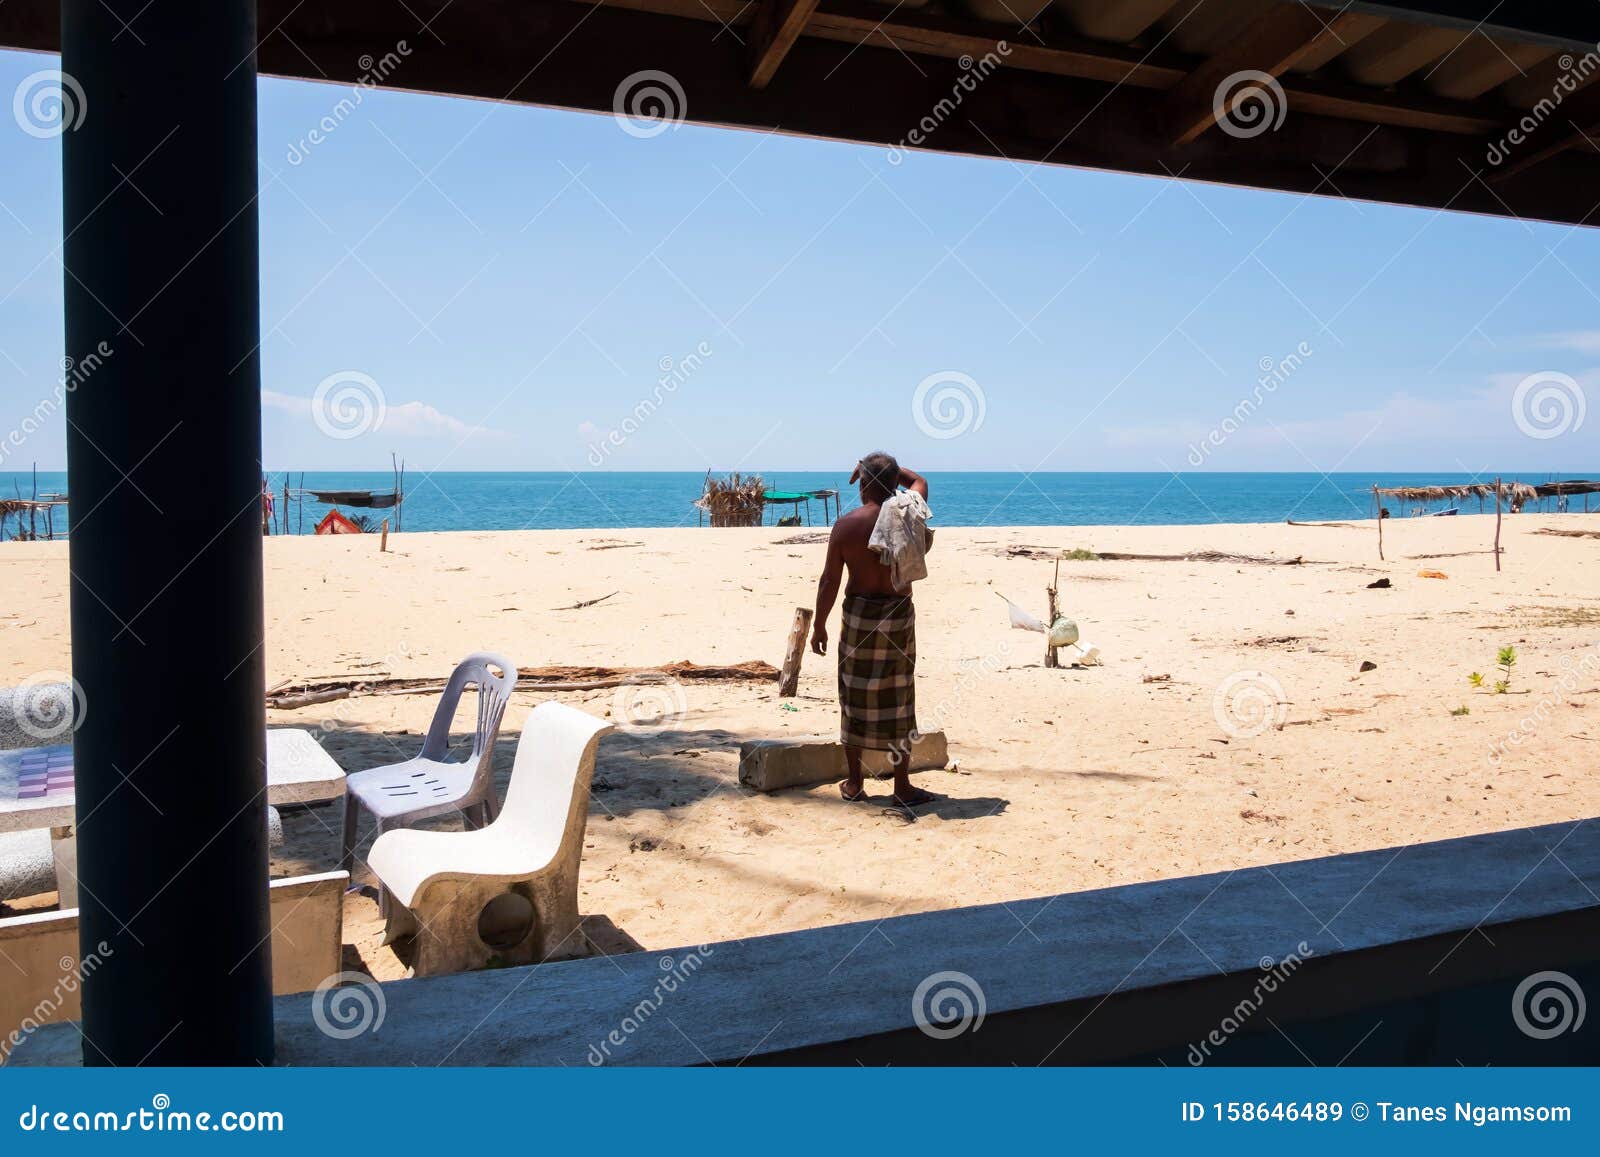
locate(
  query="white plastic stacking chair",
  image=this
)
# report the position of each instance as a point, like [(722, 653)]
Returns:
[(403, 793), (506, 893)]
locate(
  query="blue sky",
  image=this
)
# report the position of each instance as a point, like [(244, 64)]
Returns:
[(512, 280)]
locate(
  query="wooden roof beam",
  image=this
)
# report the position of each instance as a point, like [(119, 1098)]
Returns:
[(774, 30), (1272, 45), (1574, 123)]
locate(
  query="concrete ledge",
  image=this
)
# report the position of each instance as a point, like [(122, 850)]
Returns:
[(307, 934), (773, 764), (1088, 977)]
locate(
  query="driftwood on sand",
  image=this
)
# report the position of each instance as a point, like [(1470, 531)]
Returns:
[(1202, 556), (1038, 552), (307, 692), (1568, 533), (585, 603)]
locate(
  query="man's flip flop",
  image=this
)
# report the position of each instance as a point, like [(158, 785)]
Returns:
[(861, 794)]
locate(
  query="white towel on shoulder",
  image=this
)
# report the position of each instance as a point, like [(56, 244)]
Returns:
[(902, 538)]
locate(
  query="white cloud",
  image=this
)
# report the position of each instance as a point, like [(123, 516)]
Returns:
[(1583, 341), (285, 402), (407, 420), (1476, 420), (419, 419)]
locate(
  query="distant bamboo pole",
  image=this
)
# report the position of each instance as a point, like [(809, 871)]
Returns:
[(1050, 658), (1378, 502), (1497, 524)]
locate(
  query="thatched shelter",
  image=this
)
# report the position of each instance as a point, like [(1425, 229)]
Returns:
[(737, 500), (1482, 491), (1516, 494), (1570, 486)]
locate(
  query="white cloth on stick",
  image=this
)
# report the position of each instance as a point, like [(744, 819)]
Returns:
[(902, 538), (1022, 620)]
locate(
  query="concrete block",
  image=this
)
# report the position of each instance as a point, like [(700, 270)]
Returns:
[(307, 930), (773, 764), (307, 939), (43, 986), (26, 868), (36, 714)]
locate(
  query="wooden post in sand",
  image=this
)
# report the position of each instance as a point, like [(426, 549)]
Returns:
[(1497, 524), (1378, 502), (789, 678), (1050, 659), (383, 543)]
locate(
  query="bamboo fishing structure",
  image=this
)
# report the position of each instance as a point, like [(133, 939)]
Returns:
[(32, 509), (1513, 497), (392, 499)]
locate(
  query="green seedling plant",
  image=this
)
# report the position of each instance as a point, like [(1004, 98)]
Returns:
[(1506, 660)]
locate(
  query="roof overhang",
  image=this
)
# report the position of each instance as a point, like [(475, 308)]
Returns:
[(1427, 104)]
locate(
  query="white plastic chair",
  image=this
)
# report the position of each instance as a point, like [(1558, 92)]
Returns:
[(400, 794), (506, 893)]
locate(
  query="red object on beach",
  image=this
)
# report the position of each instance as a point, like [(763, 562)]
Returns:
[(335, 523)]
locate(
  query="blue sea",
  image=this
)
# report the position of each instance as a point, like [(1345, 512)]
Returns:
[(618, 501)]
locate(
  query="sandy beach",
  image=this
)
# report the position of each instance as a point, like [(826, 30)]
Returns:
[(1062, 780)]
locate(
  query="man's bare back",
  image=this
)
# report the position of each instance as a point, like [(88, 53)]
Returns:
[(867, 574)]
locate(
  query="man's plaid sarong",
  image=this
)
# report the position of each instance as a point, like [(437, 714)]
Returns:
[(877, 665)]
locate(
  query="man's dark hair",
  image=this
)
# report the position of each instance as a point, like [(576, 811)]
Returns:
[(880, 476)]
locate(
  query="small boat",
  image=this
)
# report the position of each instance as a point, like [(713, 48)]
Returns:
[(335, 523), (1447, 513), (381, 500)]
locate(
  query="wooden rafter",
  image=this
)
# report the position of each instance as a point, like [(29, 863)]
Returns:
[(777, 25), (1272, 45), (1572, 124), (922, 33)]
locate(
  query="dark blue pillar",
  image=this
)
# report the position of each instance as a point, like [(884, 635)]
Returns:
[(163, 456)]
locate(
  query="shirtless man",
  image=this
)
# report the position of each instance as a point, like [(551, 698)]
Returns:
[(878, 647)]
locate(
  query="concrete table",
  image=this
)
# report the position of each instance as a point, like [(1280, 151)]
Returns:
[(36, 792)]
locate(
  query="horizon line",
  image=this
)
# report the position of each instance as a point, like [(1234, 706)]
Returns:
[(23, 471)]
